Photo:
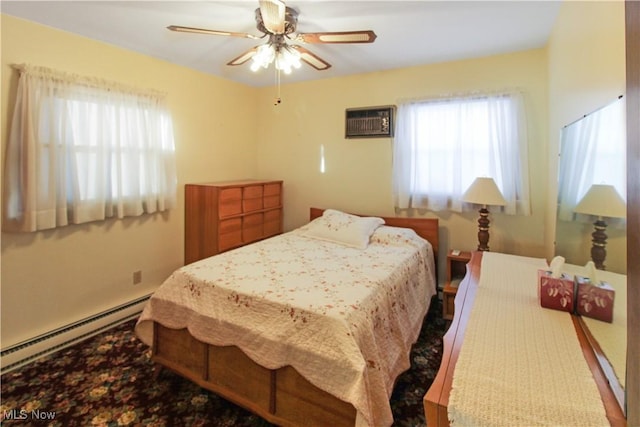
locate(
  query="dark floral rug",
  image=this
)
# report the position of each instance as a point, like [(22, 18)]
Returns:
[(108, 380)]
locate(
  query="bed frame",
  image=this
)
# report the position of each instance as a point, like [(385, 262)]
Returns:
[(436, 400), (281, 396)]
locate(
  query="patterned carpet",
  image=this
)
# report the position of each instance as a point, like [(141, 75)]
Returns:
[(108, 380)]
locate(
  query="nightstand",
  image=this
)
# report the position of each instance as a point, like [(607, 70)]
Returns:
[(456, 270)]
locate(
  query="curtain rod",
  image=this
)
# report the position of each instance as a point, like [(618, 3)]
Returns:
[(462, 95), (594, 111), (88, 81)]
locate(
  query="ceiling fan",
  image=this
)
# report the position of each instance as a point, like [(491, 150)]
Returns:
[(278, 23)]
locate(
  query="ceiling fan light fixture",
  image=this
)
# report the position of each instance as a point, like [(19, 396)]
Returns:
[(255, 66), (265, 54), (287, 58), (284, 57)]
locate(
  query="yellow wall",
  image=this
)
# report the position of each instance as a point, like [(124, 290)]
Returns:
[(358, 171), (52, 278), (586, 72)]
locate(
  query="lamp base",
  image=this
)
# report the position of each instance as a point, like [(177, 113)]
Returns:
[(599, 240), (483, 229)]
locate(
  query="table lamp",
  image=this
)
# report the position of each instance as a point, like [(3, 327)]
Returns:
[(484, 191), (602, 201)]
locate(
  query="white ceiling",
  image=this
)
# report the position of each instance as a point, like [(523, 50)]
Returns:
[(409, 32)]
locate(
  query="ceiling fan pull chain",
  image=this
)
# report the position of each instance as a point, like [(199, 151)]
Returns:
[(278, 100)]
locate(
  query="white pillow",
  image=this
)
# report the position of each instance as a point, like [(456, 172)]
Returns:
[(394, 236), (343, 228)]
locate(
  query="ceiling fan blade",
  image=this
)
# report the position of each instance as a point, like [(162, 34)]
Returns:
[(178, 28), (273, 12), (366, 36), (243, 57), (312, 59)]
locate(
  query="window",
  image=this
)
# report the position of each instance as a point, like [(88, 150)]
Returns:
[(442, 145), (82, 150), (592, 151)]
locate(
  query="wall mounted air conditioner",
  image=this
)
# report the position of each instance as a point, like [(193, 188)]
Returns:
[(369, 122)]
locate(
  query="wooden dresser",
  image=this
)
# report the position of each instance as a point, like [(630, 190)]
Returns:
[(224, 215)]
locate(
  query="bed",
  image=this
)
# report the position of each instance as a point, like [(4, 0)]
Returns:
[(557, 380), (311, 327)]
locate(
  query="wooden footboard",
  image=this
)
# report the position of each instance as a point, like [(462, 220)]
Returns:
[(281, 396), (436, 401)]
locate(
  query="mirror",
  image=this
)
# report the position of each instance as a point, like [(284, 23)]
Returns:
[(593, 151)]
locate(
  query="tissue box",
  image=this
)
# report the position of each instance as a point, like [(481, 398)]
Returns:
[(557, 293), (595, 300)]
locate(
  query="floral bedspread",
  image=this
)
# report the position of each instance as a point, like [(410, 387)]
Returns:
[(344, 318)]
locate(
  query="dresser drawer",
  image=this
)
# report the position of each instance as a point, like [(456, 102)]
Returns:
[(272, 222), (252, 227), (272, 189), (273, 215), (271, 201), (230, 225), (230, 234), (272, 195), (252, 192), (252, 198), (250, 205), (230, 202)]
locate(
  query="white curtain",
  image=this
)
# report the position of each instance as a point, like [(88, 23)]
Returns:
[(83, 149), (442, 145), (592, 151)]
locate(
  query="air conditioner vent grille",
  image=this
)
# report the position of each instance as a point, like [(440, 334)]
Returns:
[(370, 122)]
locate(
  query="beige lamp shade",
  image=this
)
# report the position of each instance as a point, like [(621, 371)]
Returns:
[(484, 191), (604, 201)]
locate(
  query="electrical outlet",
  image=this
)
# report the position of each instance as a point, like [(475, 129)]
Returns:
[(137, 277)]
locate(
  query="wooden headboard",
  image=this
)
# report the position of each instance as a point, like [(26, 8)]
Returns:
[(427, 228)]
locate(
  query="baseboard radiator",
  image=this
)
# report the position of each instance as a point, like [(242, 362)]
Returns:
[(27, 351)]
